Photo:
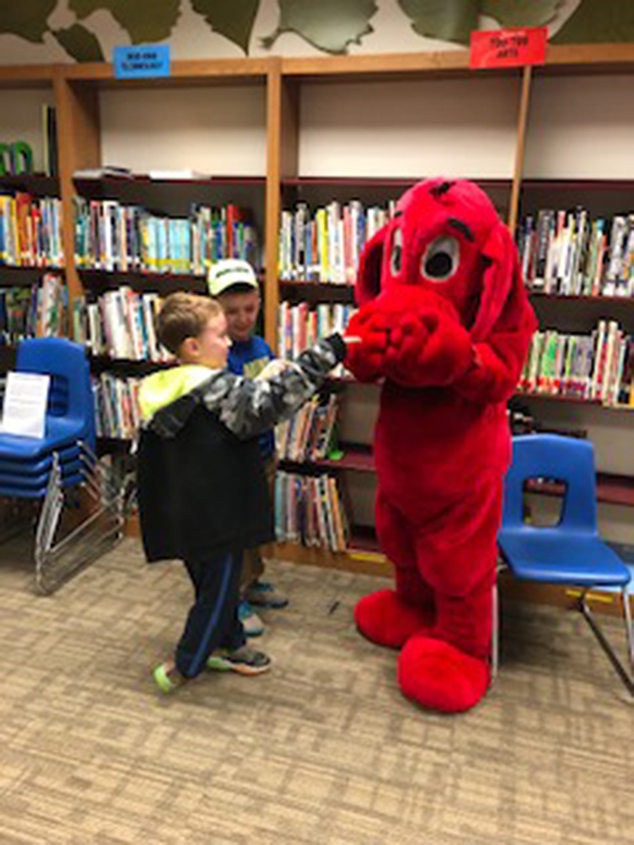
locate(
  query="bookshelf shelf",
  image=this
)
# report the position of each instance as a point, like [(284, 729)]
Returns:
[(37, 184), (88, 185), (573, 400), (397, 183), (611, 489), (316, 291), (356, 458), (23, 274), (149, 281), (540, 296), (105, 362), (112, 446), (578, 184)]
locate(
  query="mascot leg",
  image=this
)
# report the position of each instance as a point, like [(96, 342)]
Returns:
[(449, 670), (391, 617)]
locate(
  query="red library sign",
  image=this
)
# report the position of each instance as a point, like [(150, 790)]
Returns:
[(509, 47)]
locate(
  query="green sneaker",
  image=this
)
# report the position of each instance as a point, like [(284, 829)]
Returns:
[(167, 678), (244, 660)]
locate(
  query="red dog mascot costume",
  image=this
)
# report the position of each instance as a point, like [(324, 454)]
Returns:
[(445, 321)]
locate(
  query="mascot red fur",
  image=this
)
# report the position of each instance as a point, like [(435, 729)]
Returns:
[(445, 321)]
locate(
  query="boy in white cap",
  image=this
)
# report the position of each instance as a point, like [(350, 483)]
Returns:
[(235, 285)]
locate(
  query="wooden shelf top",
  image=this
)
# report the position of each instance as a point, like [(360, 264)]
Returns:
[(28, 76), (182, 72), (584, 59), (570, 59)]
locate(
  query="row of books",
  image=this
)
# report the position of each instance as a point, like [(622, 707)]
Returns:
[(114, 237), (30, 231), (36, 311), (309, 510), (299, 326), (120, 324), (599, 366), (307, 435), (569, 253), (116, 406), (324, 245)]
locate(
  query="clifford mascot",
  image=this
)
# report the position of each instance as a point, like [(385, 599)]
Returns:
[(444, 321)]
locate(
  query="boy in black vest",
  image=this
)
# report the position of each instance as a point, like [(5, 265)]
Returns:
[(202, 493)]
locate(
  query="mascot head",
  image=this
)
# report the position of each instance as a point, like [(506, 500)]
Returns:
[(447, 239)]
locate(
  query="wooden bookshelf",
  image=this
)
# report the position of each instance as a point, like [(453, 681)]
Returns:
[(76, 93)]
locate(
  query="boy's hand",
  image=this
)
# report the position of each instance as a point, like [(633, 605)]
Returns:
[(272, 369)]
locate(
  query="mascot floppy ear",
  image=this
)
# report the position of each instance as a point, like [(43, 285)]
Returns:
[(502, 285), (368, 284)]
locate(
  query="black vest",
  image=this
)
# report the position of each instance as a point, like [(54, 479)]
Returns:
[(201, 493)]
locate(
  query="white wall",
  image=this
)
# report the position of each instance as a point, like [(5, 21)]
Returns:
[(581, 127), (218, 130), (21, 119), (409, 128)]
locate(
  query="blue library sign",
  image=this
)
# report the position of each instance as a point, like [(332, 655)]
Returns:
[(141, 62)]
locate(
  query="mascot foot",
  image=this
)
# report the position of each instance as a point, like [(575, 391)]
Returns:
[(387, 620), (440, 677)]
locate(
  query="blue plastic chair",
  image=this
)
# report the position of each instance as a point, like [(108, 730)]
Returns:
[(70, 415), (33, 468), (570, 552)]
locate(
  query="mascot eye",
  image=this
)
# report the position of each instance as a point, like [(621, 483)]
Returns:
[(441, 259), (396, 257)]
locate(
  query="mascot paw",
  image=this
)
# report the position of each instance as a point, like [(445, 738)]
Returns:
[(440, 677), (387, 620)]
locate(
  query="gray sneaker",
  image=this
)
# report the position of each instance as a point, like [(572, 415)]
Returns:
[(251, 622), (244, 660)]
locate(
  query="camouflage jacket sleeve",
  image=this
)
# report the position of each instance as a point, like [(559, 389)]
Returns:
[(249, 407)]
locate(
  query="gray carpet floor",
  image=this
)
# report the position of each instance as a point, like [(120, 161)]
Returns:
[(323, 750)]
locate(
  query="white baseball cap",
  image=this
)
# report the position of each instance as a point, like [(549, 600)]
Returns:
[(229, 272)]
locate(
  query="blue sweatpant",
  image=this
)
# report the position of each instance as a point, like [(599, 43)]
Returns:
[(213, 618)]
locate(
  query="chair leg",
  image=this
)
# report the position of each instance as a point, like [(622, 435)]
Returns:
[(495, 634), (629, 630), (626, 678), (56, 563)]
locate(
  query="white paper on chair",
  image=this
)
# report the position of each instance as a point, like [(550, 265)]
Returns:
[(24, 407)]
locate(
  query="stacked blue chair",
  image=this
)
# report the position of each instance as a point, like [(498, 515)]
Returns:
[(570, 552), (61, 463)]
